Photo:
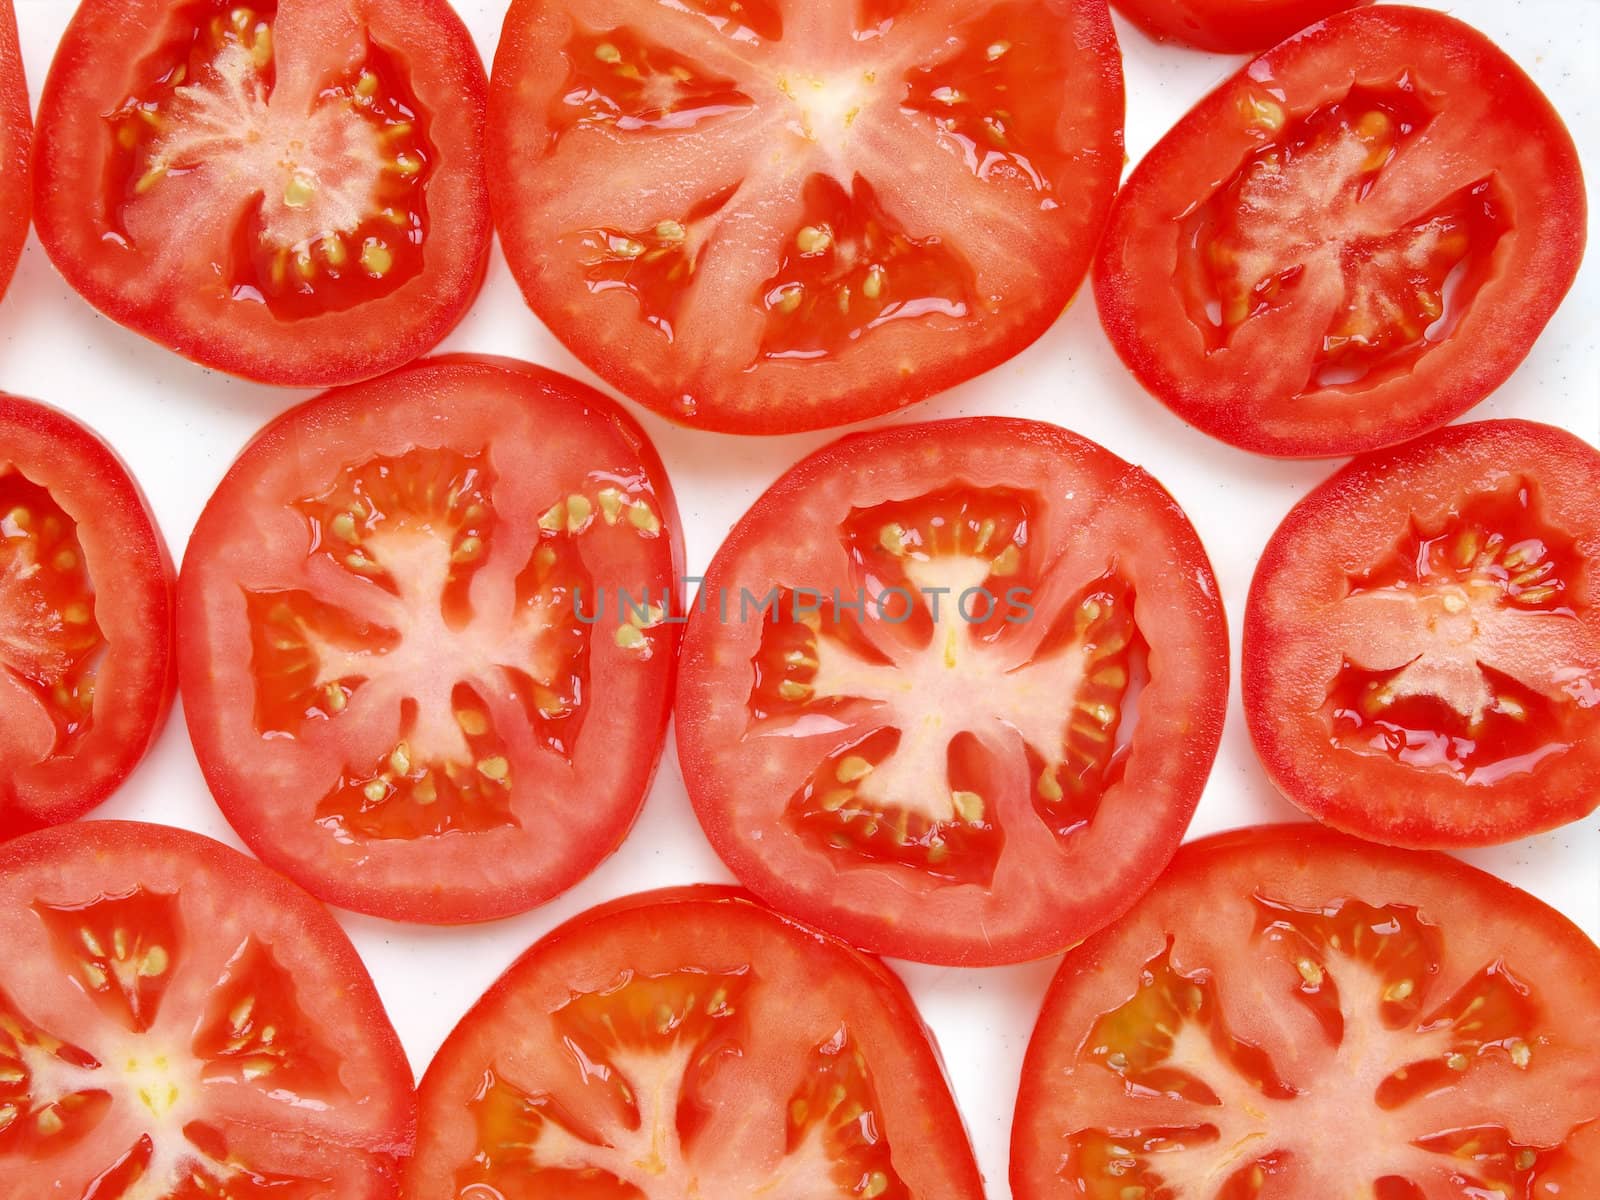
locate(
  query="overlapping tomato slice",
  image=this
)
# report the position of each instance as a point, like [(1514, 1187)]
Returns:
[(16, 136)]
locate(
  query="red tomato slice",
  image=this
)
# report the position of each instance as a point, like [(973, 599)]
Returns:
[(16, 132), (775, 215), (178, 1022), (287, 190), (86, 673), (691, 1043), (430, 654), (1352, 241), (1291, 1014), (1228, 26), (1422, 644), (876, 747)]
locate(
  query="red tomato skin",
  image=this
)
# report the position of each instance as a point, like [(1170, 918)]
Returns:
[(137, 712), (16, 135), (327, 351), (1228, 26), (1142, 317), (1376, 798)]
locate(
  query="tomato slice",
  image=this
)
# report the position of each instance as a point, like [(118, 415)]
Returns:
[(691, 1043), (178, 1022), (1291, 1013), (1422, 644), (1228, 26), (1353, 240), (431, 649), (287, 190), (951, 691), (86, 605), (16, 133), (776, 215)]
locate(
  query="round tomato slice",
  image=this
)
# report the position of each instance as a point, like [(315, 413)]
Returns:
[(86, 606), (178, 1022), (287, 190), (430, 649), (16, 131), (773, 215), (691, 1043), (1228, 26), (1422, 643), (1352, 241), (951, 691), (1293, 1014)]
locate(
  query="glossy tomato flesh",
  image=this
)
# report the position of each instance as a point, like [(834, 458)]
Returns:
[(788, 214), (1228, 26), (86, 611), (1422, 644), (178, 1022), (429, 658), (688, 1043), (1292, 1014), (1352, 241), (287, 190), (16, 133), (972, 719)]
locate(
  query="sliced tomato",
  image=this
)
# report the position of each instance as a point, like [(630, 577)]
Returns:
[(430, 649), (951, 691), (86, 607), (178, 1022), (16, 132), (1422, 644), (287, 190), (691, 1043), (1293, 1014), (1228, 26), (775, 215), (1353, 240)]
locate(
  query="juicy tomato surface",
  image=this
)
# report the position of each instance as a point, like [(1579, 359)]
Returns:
[(1422, 642), (951, 691), (775, 215), (1293, 1014), (691, 1043), (429, 652), (1353, 240), (86, 613), (16, 132), (179, 1023), (1228, 26), (287, 190)]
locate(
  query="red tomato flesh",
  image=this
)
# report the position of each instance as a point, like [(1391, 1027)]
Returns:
[(429, 662), (86, 606), (932, 774), (16, 133), (785, 215), (1293, 1014), (1228, 26), (287, 190), (1352, 241), (1422, 644), (690, 1043), (178, 1022)]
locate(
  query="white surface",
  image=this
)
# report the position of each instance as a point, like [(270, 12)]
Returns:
[(180, 427)]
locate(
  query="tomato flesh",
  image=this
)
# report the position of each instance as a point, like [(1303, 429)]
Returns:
[(1228, 26), (16, 135)]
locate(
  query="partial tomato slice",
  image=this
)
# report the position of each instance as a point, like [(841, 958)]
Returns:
[(287, 190), (16, 132), (776, 215), (1228, 26), (86, 673), (1422, 645), (1293, 1014), (178, 1023), (690, 1043), (430, 653), (1355, 239), (951, 691)]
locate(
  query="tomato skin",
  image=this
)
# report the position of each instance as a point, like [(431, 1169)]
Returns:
[(16, 135), (177, 296), (1253, 393), (1228, 26), (694, 926), (1337, 530), (1194, 915), (128, 561)]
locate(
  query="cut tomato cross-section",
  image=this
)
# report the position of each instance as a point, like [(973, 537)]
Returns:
[(938, 671)]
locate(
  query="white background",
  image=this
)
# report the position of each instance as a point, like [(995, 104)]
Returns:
[(179, 427)]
